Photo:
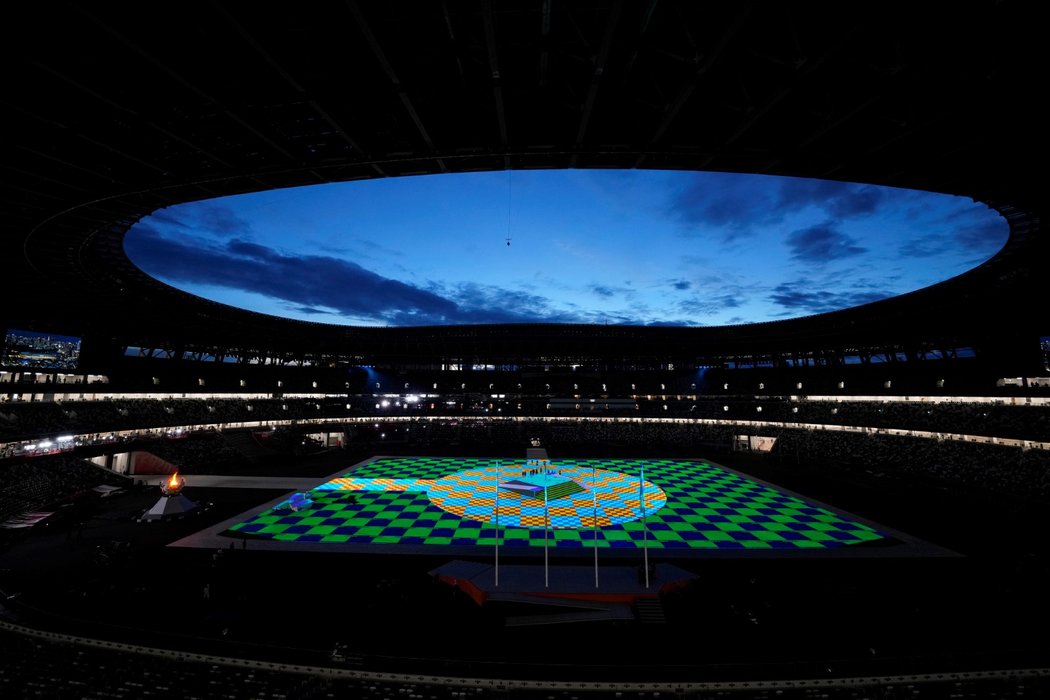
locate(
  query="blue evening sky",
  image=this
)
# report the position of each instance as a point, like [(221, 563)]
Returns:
[(586, 246)]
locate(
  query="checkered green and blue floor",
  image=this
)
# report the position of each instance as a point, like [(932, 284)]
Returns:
[(616, 503)]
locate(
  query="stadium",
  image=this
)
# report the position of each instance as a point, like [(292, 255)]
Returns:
[(198, 500)]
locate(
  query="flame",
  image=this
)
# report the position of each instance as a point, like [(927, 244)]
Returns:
[(173, 482)]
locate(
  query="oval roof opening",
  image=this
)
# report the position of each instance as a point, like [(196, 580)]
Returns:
[(630, 247)]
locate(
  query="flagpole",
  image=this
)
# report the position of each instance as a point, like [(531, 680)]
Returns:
[(594, 519), (546, 527), (497, 522), (645, 524)]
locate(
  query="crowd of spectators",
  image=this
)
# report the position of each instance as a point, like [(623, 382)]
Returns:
[(237, 449), (35, 420), (196, 451), (32, 420), (969, 465), (1003, 469), (48, 481), (567, 437), (995, 420)]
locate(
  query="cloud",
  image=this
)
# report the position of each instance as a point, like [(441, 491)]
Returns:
[(221, 220), (682, 285), (607, 291), (320, 285), (479, 303), (979, 239), (676, 322), (985, 237), (709, 306), (207, 218), (804, 296), (715, 294), (840, 200), (922, 247), (736, 204), (166, 217), (730, 203), (822, 243), (253, 250), (309, 310), (359, 248), (310, 281)]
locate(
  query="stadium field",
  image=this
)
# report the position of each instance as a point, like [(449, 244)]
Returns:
[(614, 504)]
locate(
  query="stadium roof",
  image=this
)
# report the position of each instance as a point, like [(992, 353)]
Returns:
[(115, 110)]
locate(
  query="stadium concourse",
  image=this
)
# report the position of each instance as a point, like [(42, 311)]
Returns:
[(844, 505)]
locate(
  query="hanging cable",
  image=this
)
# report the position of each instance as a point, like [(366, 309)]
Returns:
[(508, 205)]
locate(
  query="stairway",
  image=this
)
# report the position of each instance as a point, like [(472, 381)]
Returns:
[(649, 611), (245, 443)]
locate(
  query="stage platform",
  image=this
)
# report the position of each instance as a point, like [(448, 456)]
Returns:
[(463, 507), (569, 593)]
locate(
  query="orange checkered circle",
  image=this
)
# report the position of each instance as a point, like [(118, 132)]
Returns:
[(610, 498)]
